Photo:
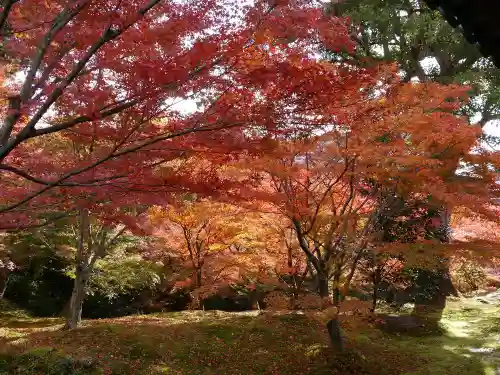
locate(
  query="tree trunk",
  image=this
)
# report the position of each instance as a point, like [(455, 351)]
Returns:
[(337, 297), (433, 308), (333, 327), (374, 299), (4, 280), (323, 285), (295, 292), (198, 278), (310, 269), (376, 282), (82, 272), (74, 316)]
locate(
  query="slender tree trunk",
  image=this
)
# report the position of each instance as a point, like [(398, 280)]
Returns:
[(352, 272), (433, 308), (337, 297), (74, 316), (198, 277), (4, 280), (88, 252), (334, 333), (374, 299), (376, 282), (82, 273), (323, 285), (295, 292), (332, 326), (310, 269)]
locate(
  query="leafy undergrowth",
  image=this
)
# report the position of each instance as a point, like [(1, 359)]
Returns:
[(191, 343), (9, 311)]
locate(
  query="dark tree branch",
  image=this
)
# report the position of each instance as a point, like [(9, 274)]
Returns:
[(113, 155), (82, 119), (26, 91), (108, 35), (60, 22), (37, 180), (38, 225), (4, 14)]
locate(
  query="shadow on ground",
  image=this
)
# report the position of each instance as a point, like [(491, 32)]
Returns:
[(467, 329), (218, 343)]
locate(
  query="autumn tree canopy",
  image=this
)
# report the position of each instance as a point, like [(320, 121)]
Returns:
[(285, 139), (106, 77), (339, 184)]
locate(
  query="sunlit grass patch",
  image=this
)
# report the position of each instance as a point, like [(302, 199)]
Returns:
[(218, 343)]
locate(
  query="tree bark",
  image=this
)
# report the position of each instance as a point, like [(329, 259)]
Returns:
[(322, 285), (198, 278), (334, 333), (434, 307), (83, 269), (4, 280), (376, 282), (74, 316), (337, 297)]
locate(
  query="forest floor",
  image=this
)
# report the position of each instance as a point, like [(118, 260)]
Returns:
[(190, 343)]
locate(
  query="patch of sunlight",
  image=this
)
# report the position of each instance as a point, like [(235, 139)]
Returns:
[(314, 350), (456, 328), (20, 341), (162, 369), (261, 351), (9, 333), (491, 343), (481, 350), (475, 320)]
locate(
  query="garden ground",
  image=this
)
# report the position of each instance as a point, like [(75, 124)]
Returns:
[(189, 343)]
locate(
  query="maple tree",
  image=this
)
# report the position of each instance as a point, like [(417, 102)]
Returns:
[(195, 232), (94, 242), (291, 271), (109, 74), (215, 243), (336, 187), (89, 91), (339, 189), (111, 211), (345, 154), (475, 251), (426, 49)]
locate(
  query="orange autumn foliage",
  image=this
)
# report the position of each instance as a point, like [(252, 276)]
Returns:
[(217, 243), (335, 183)]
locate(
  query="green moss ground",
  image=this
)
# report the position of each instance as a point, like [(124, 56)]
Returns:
[(191, 343)]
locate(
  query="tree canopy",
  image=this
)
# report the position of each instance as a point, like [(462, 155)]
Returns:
[(325, 145)]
